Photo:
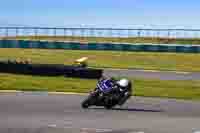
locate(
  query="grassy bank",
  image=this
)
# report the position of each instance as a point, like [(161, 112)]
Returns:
[(142, 87), (138, 60), (155, 40)]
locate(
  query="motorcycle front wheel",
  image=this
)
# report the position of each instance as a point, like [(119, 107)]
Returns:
[(88, 101), (85, 104)]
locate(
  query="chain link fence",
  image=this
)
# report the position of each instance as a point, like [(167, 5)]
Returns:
[(94, 33)]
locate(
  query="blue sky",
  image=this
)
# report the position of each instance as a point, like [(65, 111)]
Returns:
[(102, 13)]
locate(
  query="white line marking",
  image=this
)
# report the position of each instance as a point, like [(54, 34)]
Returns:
[(154, 71), (97, 130), (52, 125), (136, 132), (42, 93)]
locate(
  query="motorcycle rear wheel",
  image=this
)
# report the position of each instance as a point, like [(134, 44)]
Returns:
[(108, 107)]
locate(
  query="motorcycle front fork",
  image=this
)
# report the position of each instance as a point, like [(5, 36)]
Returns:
[(124, 99)]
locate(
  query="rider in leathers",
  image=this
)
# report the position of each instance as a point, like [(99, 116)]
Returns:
[(121, 89)]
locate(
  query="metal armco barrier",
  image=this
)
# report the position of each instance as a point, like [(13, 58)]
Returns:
[(100, 46), (50, 70)]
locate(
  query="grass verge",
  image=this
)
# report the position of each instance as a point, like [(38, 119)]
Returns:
[(155, 40), (142, 87), (109, 59)]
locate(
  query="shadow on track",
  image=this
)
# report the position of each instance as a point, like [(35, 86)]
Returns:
[(128, 109)]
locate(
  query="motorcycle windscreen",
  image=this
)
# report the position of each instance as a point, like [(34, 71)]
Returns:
[(105, 86)]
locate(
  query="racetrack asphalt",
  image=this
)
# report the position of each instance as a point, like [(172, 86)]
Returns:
[(50, 113), (162, 75)]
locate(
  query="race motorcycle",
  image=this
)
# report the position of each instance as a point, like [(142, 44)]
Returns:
[(103, 96)]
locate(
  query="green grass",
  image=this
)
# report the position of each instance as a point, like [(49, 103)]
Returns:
[(142, 87), (138, 60), (155, 40)]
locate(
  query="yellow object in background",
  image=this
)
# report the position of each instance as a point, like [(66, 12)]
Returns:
[(81, 61)]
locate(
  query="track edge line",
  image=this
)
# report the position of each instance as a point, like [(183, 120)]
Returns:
[(42, 92)]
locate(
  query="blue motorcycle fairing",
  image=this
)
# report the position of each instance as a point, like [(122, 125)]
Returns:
[(105, 86)]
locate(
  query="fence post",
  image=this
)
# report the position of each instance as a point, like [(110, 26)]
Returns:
[(65, 33), (55, 32), (82, 34), (128, 31), (139, 33), (6, 32), (35, 33), (168, 36), (16, 31)]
